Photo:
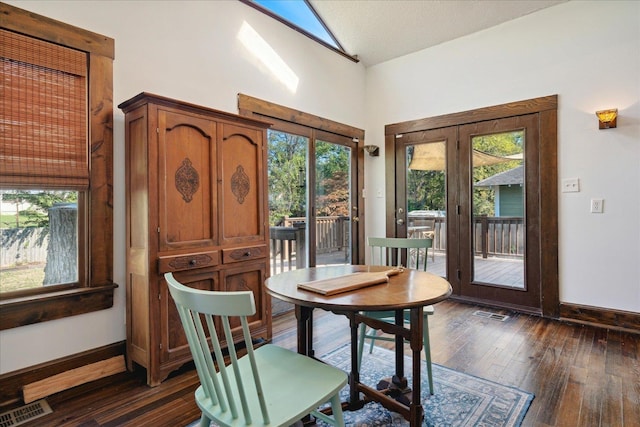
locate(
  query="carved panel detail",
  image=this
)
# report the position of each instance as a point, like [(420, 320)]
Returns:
[(190, 262), (240, 184), (187, 180)]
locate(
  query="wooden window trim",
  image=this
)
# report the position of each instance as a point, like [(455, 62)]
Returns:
[(97, 292), (268, 111)]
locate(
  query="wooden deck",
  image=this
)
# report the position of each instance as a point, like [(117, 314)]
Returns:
[(497, 270)]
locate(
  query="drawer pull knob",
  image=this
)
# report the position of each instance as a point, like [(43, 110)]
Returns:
[(193, 262), (248, 253)]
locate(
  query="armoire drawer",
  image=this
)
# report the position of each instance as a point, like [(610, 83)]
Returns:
[(244, 254), (188, 262)]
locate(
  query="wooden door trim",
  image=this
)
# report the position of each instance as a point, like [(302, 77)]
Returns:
[(547, 108), (511, 109)]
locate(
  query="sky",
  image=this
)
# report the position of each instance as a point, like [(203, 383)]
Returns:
[(298, 13)]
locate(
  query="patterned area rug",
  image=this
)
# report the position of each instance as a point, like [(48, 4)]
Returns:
[(459, 399)]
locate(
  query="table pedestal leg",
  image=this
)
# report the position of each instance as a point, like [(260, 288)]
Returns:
[(354, 376), (304, 317), (397, 387), (399, 380), (416, 412)]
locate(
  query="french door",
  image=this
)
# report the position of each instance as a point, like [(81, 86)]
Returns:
[(313, 205), (333, 195), (421, 197), (485, 191), (498, 215)]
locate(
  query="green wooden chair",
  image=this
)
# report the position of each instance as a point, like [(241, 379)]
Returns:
[(269, 386), (388, 251)]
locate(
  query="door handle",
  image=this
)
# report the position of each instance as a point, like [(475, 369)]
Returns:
[(400, 221), (355, 219)]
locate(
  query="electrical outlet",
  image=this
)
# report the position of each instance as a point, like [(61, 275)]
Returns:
[(597, 205)]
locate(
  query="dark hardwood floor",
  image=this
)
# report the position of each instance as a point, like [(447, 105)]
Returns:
[(581, 375)]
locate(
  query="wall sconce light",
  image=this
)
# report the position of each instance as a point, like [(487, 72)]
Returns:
[(373, 150), (607, 118)]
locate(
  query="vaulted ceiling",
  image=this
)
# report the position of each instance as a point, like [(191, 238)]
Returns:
[(380, 30)]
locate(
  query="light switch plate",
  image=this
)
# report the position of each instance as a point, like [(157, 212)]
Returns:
[(570, 185)]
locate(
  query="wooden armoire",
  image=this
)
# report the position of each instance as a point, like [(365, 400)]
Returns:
[(196, 205)]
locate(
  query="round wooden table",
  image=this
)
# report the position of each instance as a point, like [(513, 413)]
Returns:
[(407, 290)]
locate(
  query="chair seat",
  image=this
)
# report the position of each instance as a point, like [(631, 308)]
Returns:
[(296, 384)]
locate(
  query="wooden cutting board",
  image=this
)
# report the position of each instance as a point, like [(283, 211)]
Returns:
[(348, 282)]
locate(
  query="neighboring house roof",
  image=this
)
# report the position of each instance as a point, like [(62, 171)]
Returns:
[(513, 176)]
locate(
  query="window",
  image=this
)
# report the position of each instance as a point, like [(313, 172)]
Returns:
[(55, 183), (302, 17), (322, 159), (44, 146)]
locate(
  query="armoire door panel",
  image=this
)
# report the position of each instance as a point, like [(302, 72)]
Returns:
[(187, 170), (248, 277), (241, 170), (173, 340)]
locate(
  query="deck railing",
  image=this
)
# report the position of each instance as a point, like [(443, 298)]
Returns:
[(493, 236), (496, 236), (332, 232), (499, 236), (288, 240)]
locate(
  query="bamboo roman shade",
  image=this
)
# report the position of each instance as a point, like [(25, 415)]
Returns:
[(43, 121)]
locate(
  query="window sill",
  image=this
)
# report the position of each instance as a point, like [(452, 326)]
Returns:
[(24, 311)]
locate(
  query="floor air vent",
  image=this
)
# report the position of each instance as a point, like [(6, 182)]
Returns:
[(25, 413), (493, 316)]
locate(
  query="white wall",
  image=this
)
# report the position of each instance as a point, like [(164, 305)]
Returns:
[(189, 51), (588, 53)]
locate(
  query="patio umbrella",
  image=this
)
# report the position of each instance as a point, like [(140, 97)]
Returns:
[(431, 156)]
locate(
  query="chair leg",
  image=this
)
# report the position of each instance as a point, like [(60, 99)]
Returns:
[(427, 352), (373, 339), (336, 409), (204, 421), (361, 343), (361, 337)]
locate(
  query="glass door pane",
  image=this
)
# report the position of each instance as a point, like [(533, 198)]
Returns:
[(498, 222), (426, 201), (288, 214), (333, 207)]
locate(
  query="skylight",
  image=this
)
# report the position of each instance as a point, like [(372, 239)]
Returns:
[(299, 15)]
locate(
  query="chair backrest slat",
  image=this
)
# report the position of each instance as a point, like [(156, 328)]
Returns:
[(384, 250), (256, 375), (193, 306)]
